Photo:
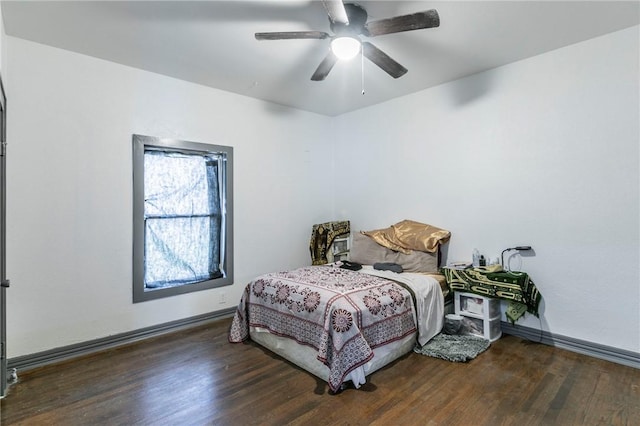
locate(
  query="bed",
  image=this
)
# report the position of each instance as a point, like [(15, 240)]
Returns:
[(341, 324), (338, 324)]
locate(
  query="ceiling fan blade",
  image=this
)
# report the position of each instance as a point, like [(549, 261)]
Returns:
[(414, 21), (289, 35), (383, 60), (336, 10), (325, 66)]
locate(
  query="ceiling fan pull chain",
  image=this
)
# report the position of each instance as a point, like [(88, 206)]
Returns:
[(362, 68)]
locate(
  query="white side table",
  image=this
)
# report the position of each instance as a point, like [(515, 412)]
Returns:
[(483, 313)]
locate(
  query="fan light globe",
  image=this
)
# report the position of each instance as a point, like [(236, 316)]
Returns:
[(345, 47)]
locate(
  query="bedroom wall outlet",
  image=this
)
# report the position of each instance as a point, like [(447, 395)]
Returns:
[(223, 298)]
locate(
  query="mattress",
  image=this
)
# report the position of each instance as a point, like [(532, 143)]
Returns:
[(305, 357)]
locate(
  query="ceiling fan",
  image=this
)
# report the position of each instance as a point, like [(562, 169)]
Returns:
[(348, 21)]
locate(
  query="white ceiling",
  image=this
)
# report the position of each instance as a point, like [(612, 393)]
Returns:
[(212, 43)]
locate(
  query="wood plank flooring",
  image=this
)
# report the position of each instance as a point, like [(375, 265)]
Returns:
[(195, 377)]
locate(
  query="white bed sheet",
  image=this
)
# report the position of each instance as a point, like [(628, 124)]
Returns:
[(429, 300)]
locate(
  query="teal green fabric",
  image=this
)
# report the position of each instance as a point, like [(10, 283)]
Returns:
[(515, 287)]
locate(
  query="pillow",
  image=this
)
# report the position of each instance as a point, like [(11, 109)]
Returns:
[(366, 251), (416, 261)]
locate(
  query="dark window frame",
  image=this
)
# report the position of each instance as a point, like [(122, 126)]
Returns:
[(142, 143)]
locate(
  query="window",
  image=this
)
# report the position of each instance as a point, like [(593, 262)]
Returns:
[(182, 217)]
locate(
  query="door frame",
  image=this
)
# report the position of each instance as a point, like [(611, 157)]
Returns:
[(4, 282)]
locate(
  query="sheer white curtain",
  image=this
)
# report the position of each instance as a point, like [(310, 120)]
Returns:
[(182, 211)]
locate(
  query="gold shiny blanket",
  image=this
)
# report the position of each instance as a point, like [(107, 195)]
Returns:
[(410, 235)]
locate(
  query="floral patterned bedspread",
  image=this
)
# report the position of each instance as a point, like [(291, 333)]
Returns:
[(343, 314)]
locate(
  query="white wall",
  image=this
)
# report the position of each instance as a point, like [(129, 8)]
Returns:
[(542, 152), (2, 43), (70, 190)]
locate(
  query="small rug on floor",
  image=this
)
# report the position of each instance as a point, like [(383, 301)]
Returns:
[(454, 348)]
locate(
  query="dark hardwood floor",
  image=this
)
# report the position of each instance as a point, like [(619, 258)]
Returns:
[(196, 377)]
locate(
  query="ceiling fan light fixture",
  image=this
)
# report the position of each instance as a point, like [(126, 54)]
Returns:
[(345, 47)]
